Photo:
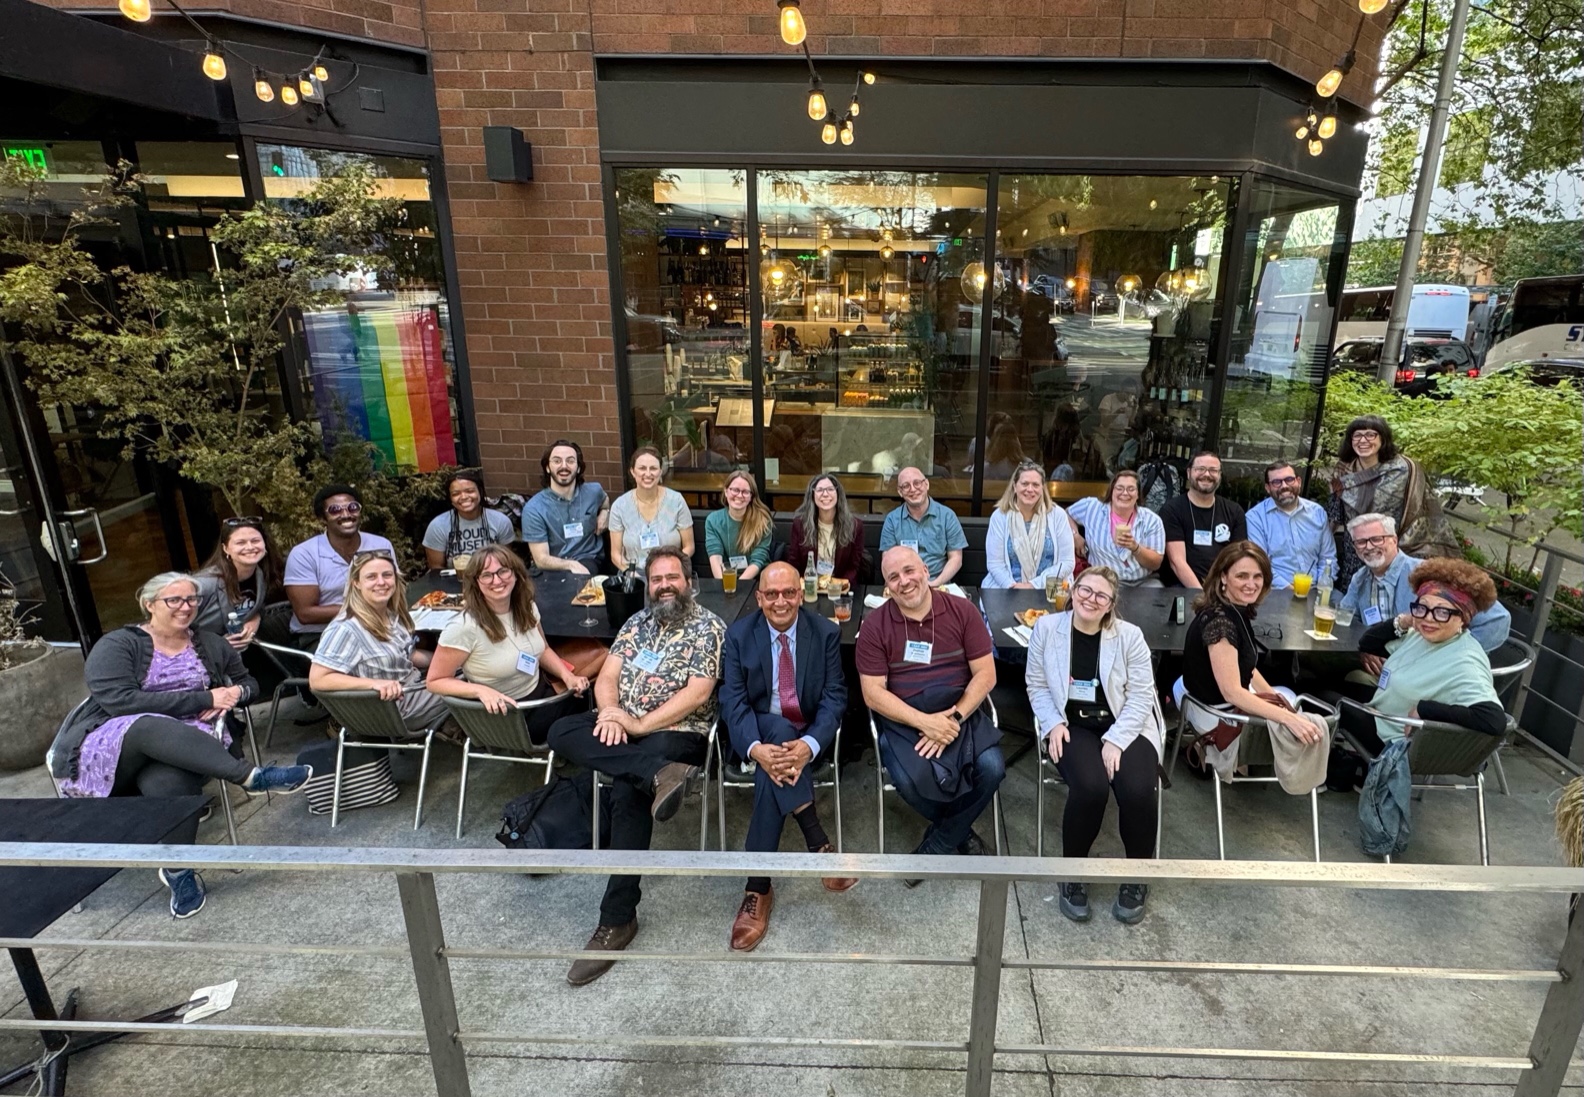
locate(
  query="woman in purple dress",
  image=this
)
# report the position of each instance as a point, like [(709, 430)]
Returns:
[(153, 723)]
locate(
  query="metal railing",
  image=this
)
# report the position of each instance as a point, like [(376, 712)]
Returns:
[(1541, 1072)]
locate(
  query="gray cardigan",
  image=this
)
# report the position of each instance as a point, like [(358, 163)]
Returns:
[(114, 676)]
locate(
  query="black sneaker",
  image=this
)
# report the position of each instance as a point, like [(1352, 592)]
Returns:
[(1074, 901), (974, 846), (187, 891), (1129, 905)]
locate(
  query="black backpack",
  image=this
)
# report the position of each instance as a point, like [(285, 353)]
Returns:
[(555, 816)]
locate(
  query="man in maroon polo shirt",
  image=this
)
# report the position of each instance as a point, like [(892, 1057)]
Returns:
[(926, 663)]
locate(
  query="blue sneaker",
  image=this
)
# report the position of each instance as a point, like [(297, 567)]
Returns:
[(187, 891), (281, 779)]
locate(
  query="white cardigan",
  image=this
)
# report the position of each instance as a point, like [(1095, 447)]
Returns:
[(1125, 669), (998, 558)]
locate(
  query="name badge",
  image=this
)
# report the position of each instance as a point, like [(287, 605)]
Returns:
[(738, 562), (909, 545), (1202, 537), (1385, 678), (648, 541), (917, 651), (1082, 691), (1372, 615), (572, 530), (527, 664), (648, 661), (824, 567)]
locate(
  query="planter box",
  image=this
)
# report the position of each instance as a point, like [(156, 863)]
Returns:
[(36, 696), (1558, 681)]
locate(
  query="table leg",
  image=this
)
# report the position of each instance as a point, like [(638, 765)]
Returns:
[(42, 1007)]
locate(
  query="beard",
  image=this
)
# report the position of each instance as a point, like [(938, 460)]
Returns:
[(672, 611)]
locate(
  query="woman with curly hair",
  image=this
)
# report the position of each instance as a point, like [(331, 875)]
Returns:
[(1434, 669), (1372, 477)]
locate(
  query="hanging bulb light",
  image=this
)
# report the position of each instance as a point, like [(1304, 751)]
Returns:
[(817, 107), (138, 11), (828, 133), (887, 251), (214, 65), (288, 95), (1316, 147), (868, 77), (305, 86), (1372, 7), (703, 249), (1328, 125), (825, 251), (852, 108), (321, 73), (262, 88), (1328, 84), (1301, 132), (793, 29), (847, 132)]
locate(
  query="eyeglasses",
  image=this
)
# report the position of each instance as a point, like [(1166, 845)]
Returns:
[(825, 490), (1098, 597), (1439, 614), (780, 595), (247, 520), (739, 492), (177, 601), (343, 509), (1282, 480), (1366, 436), (1206, 468), (913, 485), (1268, 632), (1371, 542), (499, 575)]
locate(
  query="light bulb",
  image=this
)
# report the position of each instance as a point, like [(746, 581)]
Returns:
[(852, 108), (828, 133), (1327, 85), (262, 89), (1062, 229), (306, 87), (869, 78), (1153, 203), (1301, 132), (1316, 147), (1312, 118), (214, 65), (136, 10), (1372, 7), (703, 249), (777, 274), (288, 95), (825, 251), (1327, 128), (817, 107), (793, 29), (847, 133), (321, 73), (887, 251)]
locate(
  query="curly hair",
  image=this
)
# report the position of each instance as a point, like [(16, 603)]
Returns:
[(1459, 575)]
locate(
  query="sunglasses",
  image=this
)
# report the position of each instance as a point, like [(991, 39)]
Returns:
[(245, 520), (372, 554), (1439, 614), (343, 509)]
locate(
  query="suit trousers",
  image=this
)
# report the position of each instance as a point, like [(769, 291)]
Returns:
[(773, 802)]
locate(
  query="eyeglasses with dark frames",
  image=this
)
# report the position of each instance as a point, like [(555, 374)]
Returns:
[(1439, 614), (177, 601), (1371, 542)]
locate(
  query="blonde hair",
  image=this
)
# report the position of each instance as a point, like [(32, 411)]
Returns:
[(375, 618), (1008, 501), (756, 523), (1112, 580)]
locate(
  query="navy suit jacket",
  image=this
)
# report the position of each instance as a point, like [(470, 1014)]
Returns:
[(748, 679)]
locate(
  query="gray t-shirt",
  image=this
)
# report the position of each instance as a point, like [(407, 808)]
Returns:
[(638, 536), (456, 536)]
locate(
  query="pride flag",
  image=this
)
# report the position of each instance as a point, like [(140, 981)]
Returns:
[(379, 372)]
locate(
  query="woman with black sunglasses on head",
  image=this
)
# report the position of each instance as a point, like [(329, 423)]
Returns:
[(243, 572)]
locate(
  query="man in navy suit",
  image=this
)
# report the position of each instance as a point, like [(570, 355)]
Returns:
[(782, 697)]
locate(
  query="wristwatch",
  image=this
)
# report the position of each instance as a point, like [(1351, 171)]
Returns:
[(954, 714)]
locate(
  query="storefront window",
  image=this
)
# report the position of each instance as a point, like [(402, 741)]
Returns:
[(684, 265), (382, 366), (1277, 360), (1107, 293), (872, 284)]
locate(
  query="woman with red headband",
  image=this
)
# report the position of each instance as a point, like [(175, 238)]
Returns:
[(1435, 669)]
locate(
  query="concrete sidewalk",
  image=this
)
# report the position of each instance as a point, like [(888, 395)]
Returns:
[(839, 1001)]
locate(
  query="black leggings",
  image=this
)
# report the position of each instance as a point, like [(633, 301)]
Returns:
[(1088, 791), (165, 757)]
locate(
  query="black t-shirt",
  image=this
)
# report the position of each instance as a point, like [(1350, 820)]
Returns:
[(1218, 525), (1211, 625), (1096, 715)]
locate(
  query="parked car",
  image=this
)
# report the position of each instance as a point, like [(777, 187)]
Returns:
[(1102, 298), (1424, 362), (1048, 285), (1549, 371)]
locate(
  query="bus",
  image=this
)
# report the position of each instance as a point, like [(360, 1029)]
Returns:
[(1435, 312), (1544, 318)]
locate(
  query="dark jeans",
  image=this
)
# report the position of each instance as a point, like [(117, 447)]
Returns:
[(949, 822), (631, 766), (1088, 791), (165, 757)]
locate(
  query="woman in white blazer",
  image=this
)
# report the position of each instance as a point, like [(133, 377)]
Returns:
[(1092, 688), (1029, 537)]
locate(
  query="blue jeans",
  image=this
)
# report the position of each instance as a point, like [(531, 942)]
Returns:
[(949, 822)]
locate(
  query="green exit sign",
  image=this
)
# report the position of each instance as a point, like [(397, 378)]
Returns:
[(32, 155)]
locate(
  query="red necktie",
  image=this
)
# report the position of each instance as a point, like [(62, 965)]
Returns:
[(788, 686)]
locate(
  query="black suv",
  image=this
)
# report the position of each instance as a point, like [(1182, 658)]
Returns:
[(1424, 362)]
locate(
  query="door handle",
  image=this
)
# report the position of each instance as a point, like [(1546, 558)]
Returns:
[(90, 512)]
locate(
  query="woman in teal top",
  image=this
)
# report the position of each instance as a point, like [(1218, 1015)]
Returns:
[(739, 535), (1435, 669)]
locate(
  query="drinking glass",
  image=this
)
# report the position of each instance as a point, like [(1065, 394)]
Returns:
[(1301, 584), (1324, 619), (729, 580), (844, 603)]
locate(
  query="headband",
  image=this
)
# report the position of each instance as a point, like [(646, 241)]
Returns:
[(1459, 599)]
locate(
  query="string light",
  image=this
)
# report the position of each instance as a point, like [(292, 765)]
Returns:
[(793, 28), (136, 10), (1328, 125), (1316, 147), (306, 88), (1372, 7), (828, 133), (817, 107), (262, 88), (288, 95), (321, 73), (1328, 84), (847, 131), (214, 65)]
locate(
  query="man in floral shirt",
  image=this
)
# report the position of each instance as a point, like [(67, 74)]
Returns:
[(656, 701)]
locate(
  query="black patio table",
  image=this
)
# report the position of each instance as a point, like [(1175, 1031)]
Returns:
[(1279, 624)]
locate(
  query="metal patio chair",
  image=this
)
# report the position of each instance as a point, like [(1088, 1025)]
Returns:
[(709, 749), (503, 737), (1053, 779), (283, 659), (883, 785), (1508, 662), (830, 758), (360, 712)]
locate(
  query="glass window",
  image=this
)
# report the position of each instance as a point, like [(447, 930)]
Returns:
[(684, 266), (382, 366), (872, 286), (1281, 339), (1104, 313)]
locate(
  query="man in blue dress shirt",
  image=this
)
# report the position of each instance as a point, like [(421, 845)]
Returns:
[(1294, 532)]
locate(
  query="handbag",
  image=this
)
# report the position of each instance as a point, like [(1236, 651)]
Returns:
[(366, 779), (1225, 733)]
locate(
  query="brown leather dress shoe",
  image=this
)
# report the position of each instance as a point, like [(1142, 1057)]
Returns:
[(669, 786), (606, 938), (836, 883), (753, 919)]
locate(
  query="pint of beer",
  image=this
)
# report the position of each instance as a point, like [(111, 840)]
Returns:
[(1325, 618)]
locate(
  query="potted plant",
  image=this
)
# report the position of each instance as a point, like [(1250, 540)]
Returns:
[(38, 686)]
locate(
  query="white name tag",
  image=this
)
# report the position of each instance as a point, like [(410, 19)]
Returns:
[(738, 562), (1082, 691), (648, 541), (1385, 677), (824, 567), (917, 651), (572, 530), (527, 664), (1372, 615), (909, 545), (648, 661), (1202, 537)]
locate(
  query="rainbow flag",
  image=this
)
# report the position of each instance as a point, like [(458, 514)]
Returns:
[(379, 372)]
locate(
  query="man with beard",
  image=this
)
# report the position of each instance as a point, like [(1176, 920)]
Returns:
[(563, 523), (1294, 532), (1379, 590), (1199, 524), (926, 663), (316, 569), (656, 702)]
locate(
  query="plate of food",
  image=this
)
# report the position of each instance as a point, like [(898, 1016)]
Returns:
[(438, 599), (592, 594), (1028, 616)]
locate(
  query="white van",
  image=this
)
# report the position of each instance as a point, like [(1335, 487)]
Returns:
[(1434, 312)]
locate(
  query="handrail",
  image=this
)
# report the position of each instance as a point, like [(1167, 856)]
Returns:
[(1540, 1073)]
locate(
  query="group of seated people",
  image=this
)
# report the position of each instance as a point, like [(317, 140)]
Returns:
[(161, 692)]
